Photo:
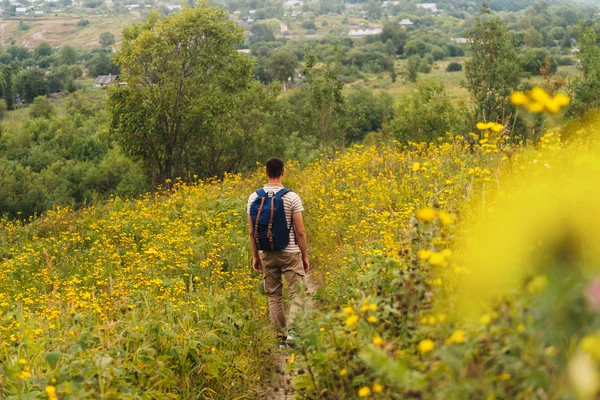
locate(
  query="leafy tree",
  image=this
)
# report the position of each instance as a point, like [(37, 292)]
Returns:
[(533, 60), (30, 83), (533, 38), (309, 25), (322, 114), (67, 55), (396, 33), (586, 90), (412, 66), (454, 67), (261, 32), (107, 39), (425, 114), (282, 65), (42, 50), (183, 73), (368, 112), (492, 74), (102, 64), (41, 108), (3, 109)]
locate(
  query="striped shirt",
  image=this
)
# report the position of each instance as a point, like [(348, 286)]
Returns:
[(291, 203)]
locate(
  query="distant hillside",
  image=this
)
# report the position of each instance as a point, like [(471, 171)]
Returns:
[(63, 30)]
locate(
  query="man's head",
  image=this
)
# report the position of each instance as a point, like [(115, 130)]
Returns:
[(274, 168)]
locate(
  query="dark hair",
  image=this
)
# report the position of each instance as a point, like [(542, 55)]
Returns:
[(274, 167)]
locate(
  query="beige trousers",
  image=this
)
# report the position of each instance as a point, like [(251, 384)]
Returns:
[(275, 264)]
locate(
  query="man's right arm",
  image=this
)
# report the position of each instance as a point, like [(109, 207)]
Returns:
[(301, 236)]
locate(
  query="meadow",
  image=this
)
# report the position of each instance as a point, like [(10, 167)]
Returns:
[(154, 297)]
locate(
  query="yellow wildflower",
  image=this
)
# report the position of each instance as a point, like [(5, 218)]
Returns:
[(416, 166), (351, 320), (343, 371), (446, 218), (373, 307), (426, 345), (372, 319), (519, 99), (51, 392), (503, 377), (437, 260), (364, 391), (457, 337), (377, 388), (348, 310), (485, 319), (426, 214), (377, 341)]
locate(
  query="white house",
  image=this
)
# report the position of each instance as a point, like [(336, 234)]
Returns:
[(21, 10), (432, 7), (292, 3), (173, 8), (364, 32), (461, 40), (406, 22)]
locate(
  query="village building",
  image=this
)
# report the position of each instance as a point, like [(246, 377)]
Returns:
[(406, 22), (431, 7), (105, 80)]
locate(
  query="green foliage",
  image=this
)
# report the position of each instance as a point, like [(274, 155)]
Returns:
[(23, 26), (454, 67), (492, 74), (425, 114), (41, 108), (532, 60), (321, 115), (82, 23), (30, 83), (107, 39), (102, 64), (369, 112), (168, 111), (586, 89), (3, 109), (282, 65), (42, 50), (261, 32), (309, 25), (412, 67), (67, 55)]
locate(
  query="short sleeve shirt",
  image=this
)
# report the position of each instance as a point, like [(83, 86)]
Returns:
[(292, 204)]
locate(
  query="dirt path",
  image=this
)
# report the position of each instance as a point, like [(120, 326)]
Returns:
[(281, 388)]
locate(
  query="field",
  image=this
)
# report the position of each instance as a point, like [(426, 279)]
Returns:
[(155, 295), (63, 31)]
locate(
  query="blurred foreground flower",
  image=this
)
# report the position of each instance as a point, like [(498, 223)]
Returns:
[(537, 100)]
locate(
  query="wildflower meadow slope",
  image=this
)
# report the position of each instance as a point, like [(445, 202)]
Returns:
[(155, 298)]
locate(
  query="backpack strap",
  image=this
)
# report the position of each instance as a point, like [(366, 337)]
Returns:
[(282, 192), (261, 193), (262, 203), (269, 231)]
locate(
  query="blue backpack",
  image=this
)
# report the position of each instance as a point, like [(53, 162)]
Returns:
[(270, 229)]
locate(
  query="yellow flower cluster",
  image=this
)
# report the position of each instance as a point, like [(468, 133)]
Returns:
[(537, 100)]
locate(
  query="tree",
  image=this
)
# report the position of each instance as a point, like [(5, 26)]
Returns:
[(425, 114), (261, 32), (492, 74), (41, 108), (67, 55), (454, 67), (532, 60), (102, 64), (183, 73), (412, 66), (30, 83), (107, 39), (282, 65), (586, 90), (323, 117), (42, 50), (396, 33), (3, 109), (533, 38)]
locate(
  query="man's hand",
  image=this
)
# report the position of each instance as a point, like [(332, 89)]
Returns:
[(306, 264), (257, 264)]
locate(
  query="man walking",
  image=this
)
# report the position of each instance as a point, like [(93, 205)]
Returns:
[(278, 241)]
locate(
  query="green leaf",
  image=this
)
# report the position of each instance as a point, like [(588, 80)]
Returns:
[(53, 357)]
